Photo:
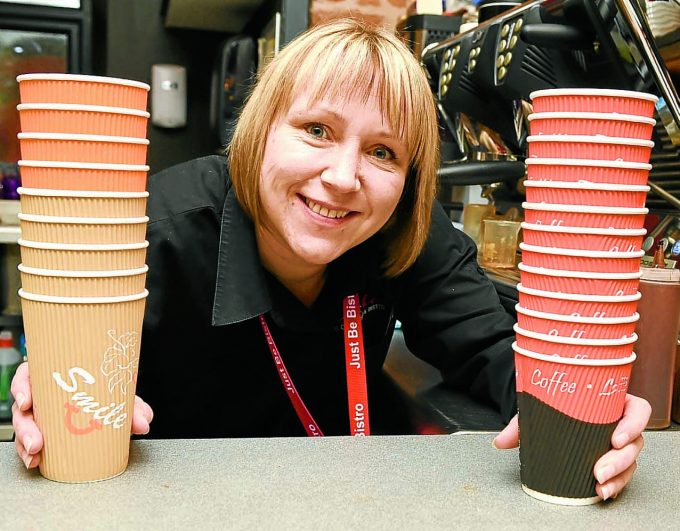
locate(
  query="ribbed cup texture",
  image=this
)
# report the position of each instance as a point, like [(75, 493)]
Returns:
[(82, 260), (100, 152), (83, 232), (101, 180), (83, 122), (83, 93), (68, 339), (66, 286), (84, 207)]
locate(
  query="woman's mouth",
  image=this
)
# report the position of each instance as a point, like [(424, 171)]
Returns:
[(325, 211)]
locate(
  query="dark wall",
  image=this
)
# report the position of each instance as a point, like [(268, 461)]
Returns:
[(129, 36)]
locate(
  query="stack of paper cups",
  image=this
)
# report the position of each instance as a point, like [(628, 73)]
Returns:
[(83, 272), (587, 171)]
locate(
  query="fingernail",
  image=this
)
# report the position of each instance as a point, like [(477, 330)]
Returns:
[(28, 442), (148, 429), (605, 493), (621, 440), (20, 398), (27, 461), (493, 444), (604, 473)]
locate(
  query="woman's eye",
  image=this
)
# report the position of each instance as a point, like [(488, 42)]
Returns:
[(383, 153), (316, 130)]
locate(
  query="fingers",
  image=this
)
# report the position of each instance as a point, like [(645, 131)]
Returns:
[(141, 417), (29, 440), (21, 388), (509, 437), (636, 414), (615, 468)]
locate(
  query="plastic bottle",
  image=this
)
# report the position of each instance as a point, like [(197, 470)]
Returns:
[(10, 359), (653, 372)]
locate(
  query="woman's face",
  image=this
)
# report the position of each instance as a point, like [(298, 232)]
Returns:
[(332, 175)]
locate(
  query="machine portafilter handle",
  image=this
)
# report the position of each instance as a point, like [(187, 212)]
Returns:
[(483, 173)]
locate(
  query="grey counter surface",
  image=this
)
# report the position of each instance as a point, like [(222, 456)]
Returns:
[(404, 482)]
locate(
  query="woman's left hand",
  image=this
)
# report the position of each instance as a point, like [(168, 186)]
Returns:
[(614, 469)]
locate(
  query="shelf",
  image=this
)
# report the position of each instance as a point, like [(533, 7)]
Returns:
[(9, 234)]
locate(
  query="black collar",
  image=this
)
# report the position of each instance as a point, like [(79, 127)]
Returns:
[(241, 290)]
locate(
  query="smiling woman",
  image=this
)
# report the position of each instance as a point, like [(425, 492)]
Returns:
[(320, 73), (306, 245)]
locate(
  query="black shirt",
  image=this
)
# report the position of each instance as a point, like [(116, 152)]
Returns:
[(205, 367)]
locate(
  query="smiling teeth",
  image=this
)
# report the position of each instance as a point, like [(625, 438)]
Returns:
[(323, 211)]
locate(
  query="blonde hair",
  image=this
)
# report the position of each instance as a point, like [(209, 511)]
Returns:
[(337, 60)]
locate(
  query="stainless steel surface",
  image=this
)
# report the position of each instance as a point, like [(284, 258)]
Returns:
[(643, 40)]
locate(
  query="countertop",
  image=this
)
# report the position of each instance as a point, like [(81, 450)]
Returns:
[(403, 482)]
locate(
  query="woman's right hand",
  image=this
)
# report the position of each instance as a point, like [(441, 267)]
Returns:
[(28, 438)]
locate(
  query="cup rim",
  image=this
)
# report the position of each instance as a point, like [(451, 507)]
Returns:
[(583, 253), (577, 318), (48, 192), (83, 138), (578, 296), (51, 246), (621, 164), (81, 77), (577, 274), (591, 139), (573, 361), (593, 92), (588, 185), (611, 116), (70, 273), (584, 209), (81, 300), (81, 221), (79, 107), (584, 230), (82, 165), (576, 341)]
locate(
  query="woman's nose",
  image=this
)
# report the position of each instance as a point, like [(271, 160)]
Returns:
[(342, 171)]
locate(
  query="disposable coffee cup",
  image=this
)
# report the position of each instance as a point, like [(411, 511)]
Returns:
[(83, 90), (57, 229), (591, 123), (594, 100), (82, 119), (584, 215), (568, 410), (579, 282), (83, 203), (591, 238), (83, 355), (593, 171), (55, 175), (570, 326), (63, 283), (576, 346), (83, 257), (65, 147), (589, 194), (576, 304), (593, 147)]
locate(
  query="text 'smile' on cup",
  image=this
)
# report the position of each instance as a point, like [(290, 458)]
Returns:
[(568, 410), (83, 355)]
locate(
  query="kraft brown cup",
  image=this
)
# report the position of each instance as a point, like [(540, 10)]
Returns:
[(61, 283), (82, 203), (83, 257), (83, 355)]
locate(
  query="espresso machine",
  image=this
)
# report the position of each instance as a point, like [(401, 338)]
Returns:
[(482, 79)]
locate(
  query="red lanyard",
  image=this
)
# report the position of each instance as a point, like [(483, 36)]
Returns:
[(357, 393)]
